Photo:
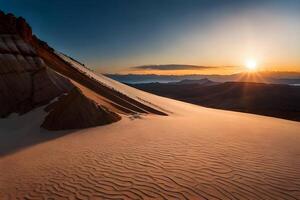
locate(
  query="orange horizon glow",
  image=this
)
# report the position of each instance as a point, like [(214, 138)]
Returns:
[(214, 70), (271, 38)]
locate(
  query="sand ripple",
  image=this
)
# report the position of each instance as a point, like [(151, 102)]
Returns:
[(154, 165)]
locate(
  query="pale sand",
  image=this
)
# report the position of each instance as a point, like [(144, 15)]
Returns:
[(195, 153)]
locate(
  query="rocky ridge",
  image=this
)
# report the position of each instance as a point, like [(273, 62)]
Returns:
[(32, 75)]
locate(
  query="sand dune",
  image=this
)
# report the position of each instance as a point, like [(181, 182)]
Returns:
[(32, 74), (159, 149), (195, 153)]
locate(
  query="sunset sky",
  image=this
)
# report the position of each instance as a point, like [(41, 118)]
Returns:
[(114, 36)]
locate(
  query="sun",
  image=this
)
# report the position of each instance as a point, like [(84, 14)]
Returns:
[(251, 64)]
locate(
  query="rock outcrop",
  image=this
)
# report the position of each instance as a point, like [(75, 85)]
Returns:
[(25, 80), (9, 24), (32, 74), (76, 111)]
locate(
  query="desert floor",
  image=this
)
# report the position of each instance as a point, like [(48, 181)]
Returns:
[(194, 153)]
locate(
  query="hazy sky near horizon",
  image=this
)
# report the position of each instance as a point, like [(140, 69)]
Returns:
[(113, 35)]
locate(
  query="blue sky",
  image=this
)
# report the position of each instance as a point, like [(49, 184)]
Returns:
[(115, 34)]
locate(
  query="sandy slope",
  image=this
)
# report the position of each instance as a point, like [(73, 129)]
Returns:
[(195, 153), (104, 90)]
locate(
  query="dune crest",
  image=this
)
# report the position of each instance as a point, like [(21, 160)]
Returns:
[(32, 74), (193, 153)]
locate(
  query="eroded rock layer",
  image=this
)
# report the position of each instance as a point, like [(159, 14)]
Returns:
[(75, 111), (32, 74), (25, 79)]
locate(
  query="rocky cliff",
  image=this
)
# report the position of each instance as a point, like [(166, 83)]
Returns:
[(32, 74), (25, 79)]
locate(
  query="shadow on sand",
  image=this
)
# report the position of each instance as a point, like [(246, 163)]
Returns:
[(20, 132)]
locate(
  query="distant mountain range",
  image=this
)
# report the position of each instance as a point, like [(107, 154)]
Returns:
[(149, 147), (265, 77), (275, 100)]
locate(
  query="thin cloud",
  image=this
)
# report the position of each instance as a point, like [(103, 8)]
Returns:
[(171, 67)]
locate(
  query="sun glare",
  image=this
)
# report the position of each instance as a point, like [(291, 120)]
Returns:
[(251, 65)]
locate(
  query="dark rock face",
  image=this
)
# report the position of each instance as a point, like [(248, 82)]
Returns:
[(75, 111), (32, 74), (9, 24), (25, 80)]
